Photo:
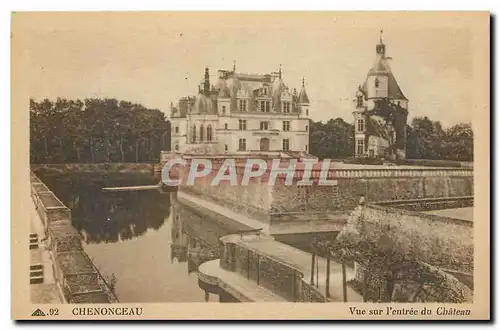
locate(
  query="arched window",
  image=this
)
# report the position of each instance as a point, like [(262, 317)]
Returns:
[(209, 133), (376, 82), (193, 134), (202, 133)]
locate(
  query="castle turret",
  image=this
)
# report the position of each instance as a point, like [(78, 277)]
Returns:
[(381, 111)]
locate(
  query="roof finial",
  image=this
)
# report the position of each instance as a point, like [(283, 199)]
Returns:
[(303, 82), (234, 66), (381, 36), (279, 72)]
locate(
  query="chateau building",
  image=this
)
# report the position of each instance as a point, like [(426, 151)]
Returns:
[(242, 114), (381, 112)]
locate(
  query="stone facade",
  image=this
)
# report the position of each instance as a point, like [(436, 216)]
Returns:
[(241, 113)]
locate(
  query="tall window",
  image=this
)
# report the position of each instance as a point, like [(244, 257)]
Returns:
[(286, 144), (265, 106), (361, 125), (243, 105), (225, 126), (242, 124), (264, 125), (360, 147), (307, 128), (307, 112), (286, 125), (225, 147), (176, 129), (359, 101), (202, 133), (286, 107), (306, 147), (193, 133), (242, 145), (209, 133), (376, 83), (223, 109)]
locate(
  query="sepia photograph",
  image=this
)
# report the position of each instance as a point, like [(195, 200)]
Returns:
[(213, 159)]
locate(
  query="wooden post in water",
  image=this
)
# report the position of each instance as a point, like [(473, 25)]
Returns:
[(327, 293), (344, 282), (313, 259), (317, 272)]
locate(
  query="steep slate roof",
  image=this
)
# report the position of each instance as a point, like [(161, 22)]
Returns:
[(381, 67), (303, 98)]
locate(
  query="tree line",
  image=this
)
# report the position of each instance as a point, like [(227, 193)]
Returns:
[(95, 131), (426, 139)]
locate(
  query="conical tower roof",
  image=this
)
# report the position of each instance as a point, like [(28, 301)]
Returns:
[(303, 98)]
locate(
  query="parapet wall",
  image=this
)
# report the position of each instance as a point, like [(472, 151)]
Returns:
[(270, 273), (74, 272), (260, 200)]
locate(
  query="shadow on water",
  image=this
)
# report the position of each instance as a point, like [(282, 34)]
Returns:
[(109, 216)]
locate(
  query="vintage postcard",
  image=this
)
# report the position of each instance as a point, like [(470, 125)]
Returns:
[(250, 165)]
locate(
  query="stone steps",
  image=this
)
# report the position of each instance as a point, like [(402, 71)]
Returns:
[(36, 274), (33, 241)]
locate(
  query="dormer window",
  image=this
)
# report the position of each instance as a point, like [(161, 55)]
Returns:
[(376, 83), (286, 107), (243, 105), (359, 101)]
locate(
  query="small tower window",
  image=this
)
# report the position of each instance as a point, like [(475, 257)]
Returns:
[(176, 129), (361, 125), (225, 126), (307, 112), (376, 83), (223, 109), (225, 147), (359, 101)]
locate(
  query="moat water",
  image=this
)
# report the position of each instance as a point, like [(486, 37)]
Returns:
[(151, 247)]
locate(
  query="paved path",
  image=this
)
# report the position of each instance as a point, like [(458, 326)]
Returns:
[(249, 289), (252, 223), (463, 213), (47, 292)]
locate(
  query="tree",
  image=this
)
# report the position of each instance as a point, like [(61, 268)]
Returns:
[(334, 139), (95, 130)]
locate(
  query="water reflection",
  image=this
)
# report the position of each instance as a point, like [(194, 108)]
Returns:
[(109, 216), (153, 244)]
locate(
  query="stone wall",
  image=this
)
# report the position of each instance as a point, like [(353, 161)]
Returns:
[(274, 275), (82, 282), (440, 241), (73, 270), (259, 200), (311, 294)]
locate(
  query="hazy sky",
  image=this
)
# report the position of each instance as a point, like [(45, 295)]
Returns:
[(154, 59)]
